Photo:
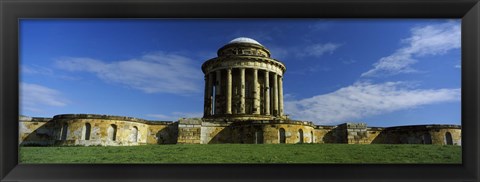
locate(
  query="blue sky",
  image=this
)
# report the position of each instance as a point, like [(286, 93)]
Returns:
[(382, 72)]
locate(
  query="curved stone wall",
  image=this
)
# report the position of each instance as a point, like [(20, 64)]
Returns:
[(264, 132), (421, 134), (88, 129)]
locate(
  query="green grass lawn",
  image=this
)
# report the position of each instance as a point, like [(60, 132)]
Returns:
[(245, 153)]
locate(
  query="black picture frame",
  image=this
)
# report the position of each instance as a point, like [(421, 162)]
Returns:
[(11, 11)]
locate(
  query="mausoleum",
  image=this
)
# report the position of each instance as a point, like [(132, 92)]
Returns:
[(243, 103)]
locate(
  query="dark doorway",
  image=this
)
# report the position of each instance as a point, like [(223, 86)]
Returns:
[(112, 132), (64, 132), (259, 137), (86, 133), (281, 135), (427, 138), (300, 136), (448, 138)]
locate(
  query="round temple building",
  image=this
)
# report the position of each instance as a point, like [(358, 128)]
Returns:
[(243, 83)]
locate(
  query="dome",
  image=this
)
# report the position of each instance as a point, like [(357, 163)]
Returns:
[(244, 40)]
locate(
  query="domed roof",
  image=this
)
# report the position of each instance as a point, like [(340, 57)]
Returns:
[(244, 40)]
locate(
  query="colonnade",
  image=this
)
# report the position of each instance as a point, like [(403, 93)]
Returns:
[(228, 91)]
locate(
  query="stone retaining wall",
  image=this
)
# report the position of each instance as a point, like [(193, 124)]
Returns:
[(88, 129), (72, 130)]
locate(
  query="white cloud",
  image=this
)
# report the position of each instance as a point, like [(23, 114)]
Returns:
[(152, 73), (320, 25), (44, 71), (35, 69), (159, 116), (279, 52), (364, 99), (423, 41), (33, 97), (310, 50), (318, 50), (188, 114), (174, 116)]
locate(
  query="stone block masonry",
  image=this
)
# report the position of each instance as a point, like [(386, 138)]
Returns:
[(107, 130)]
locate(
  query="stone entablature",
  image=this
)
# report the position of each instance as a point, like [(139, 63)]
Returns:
[(260, 63), (243, 49)]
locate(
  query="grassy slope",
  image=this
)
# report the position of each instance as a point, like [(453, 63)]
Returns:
[(245, 153)]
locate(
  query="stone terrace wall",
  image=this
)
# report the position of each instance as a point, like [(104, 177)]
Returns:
[(71, 129), (419, 134), (36, 131), (356, 133), (189, 130), (327, 134), (292, 132), (251, 132)]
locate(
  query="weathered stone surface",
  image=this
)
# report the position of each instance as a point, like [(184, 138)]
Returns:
[(47, 131)]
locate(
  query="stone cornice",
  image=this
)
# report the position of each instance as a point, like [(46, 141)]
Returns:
[(243, 45), (243, 61)]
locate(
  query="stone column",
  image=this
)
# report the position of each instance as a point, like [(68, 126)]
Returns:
[(218, 94), (208, 94), (242, 90), (205, 98), (256, 93), (280, 95), (229, 91), (267, 93), (275, 94)]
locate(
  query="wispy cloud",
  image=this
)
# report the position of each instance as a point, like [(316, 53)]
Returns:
[(315, 50), (459, 64), (279, 52), (34, 97), (188, 114), (423, 41), (320, 25), (320, 49), (35, 69), (174, 116), (152, 73), (310, 70), (159, 116), (348, 61), (44, 71), (364, 99)]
